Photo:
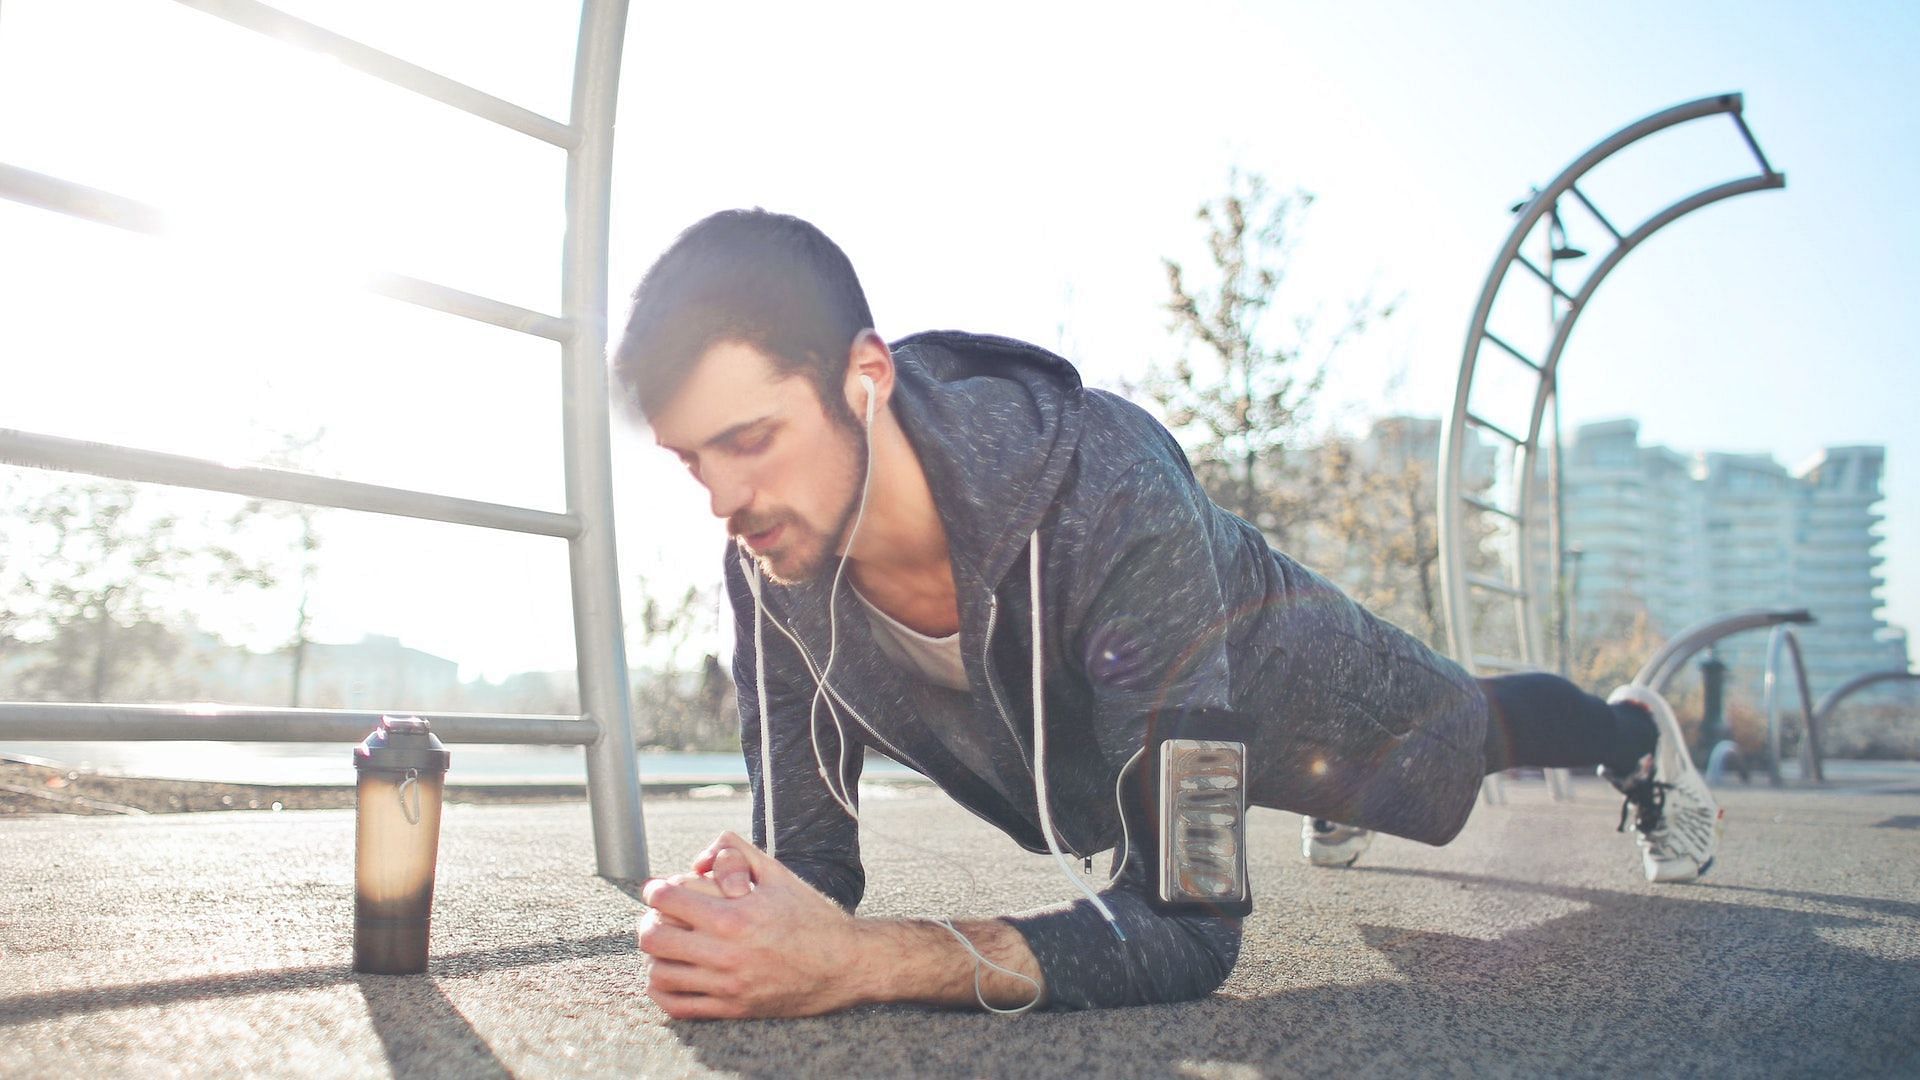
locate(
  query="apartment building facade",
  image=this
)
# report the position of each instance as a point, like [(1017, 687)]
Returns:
[(1687, 537)]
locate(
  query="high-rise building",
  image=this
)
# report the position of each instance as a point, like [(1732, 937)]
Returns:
[(1688, 537)]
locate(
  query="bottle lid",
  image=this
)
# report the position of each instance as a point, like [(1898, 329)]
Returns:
[(401, 743)]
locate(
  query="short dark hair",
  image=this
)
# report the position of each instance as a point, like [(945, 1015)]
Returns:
[(768, 280)]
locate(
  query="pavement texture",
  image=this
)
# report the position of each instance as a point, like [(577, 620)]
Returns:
[(219, 944)]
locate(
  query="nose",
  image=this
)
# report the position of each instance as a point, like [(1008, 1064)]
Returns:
[(728, 491)]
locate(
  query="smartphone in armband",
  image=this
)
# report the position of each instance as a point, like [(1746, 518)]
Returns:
[(1197, 768)]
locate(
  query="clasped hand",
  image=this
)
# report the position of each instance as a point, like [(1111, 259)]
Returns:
[(742, 936)]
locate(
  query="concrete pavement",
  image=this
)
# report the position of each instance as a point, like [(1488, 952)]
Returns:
[(218, 944)]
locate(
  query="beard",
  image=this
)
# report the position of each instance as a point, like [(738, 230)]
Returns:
[(803, 552)]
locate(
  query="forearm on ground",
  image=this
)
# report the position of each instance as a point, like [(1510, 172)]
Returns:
[(919, 960)]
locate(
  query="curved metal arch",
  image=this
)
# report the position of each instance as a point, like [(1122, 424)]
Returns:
[(1784, 640), (1671, 658), (1454, 499), (1831, 699)]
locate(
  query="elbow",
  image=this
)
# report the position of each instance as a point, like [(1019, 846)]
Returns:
[(1214, 960), (1223, 954)]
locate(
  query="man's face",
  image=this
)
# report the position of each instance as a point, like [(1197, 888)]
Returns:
[(783, 473)]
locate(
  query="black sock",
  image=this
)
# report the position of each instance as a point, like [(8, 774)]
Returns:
[(1545, 721)]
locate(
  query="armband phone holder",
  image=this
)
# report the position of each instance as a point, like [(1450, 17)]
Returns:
[(1193, 782)]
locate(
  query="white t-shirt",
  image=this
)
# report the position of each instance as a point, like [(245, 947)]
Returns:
[(935, 659)]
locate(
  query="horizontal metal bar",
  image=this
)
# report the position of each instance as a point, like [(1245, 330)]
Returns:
[(1595, 211), (1542, 275), (274, 23), (436, 297), (1482, 422), (1513, 352), (77, 722), (37, 451), (106, 208), (1482, 504), (1491, 585), (66, 197), (1501, 663)]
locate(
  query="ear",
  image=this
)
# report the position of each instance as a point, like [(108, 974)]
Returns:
[(870, 357)]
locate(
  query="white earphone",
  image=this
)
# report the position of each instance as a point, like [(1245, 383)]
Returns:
[(867, 381)]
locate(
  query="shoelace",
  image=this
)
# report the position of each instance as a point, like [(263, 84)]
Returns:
[(1650, 796)]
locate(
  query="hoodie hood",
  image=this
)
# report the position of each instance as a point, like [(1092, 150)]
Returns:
[(995, 423)]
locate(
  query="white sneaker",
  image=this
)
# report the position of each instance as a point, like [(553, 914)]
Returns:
[(1678, 824), (1326, 843)]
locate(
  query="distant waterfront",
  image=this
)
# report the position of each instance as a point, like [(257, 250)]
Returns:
[(329, 763)]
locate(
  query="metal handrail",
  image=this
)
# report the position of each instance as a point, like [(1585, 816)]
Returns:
[(605, 729), (275, 23), (108, 208), (1810, 760), (88, 722), (32, 450)]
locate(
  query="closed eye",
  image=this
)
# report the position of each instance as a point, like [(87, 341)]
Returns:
[(753, 441)]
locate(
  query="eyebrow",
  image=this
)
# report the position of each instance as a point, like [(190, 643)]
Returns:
[(726, 434)]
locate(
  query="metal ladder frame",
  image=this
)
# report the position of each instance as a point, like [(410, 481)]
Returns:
[(605, 727), (1457, 584)]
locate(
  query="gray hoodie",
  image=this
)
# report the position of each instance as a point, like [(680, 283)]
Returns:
[(1153, 598)]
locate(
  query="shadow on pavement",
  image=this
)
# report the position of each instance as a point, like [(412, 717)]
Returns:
[(1876, 904), (424, 1033), (32, 1008), (1630, 983)]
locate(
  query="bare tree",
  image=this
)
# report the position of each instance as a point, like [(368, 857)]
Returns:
[(676, 705), (302, 548), (94, 582), (1240, 409), (1374, 526)]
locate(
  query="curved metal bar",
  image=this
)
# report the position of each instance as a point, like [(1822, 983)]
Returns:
[(1672, 657), (1550, 367), (1810, 768), (613, 769), (1454, 593), (1831, 699)]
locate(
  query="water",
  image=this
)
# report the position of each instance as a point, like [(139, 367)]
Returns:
[(332, 763)]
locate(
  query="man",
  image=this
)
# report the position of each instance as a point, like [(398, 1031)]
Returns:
[(904, 517)]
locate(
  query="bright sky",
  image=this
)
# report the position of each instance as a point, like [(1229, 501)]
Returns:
[(1015, 168)]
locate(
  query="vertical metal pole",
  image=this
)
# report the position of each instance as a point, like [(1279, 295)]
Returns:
[(1769, 689), (613, 770), (1557, 780), (1563, 635)]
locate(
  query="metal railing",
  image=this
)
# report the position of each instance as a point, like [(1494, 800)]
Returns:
[(605, 727)]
